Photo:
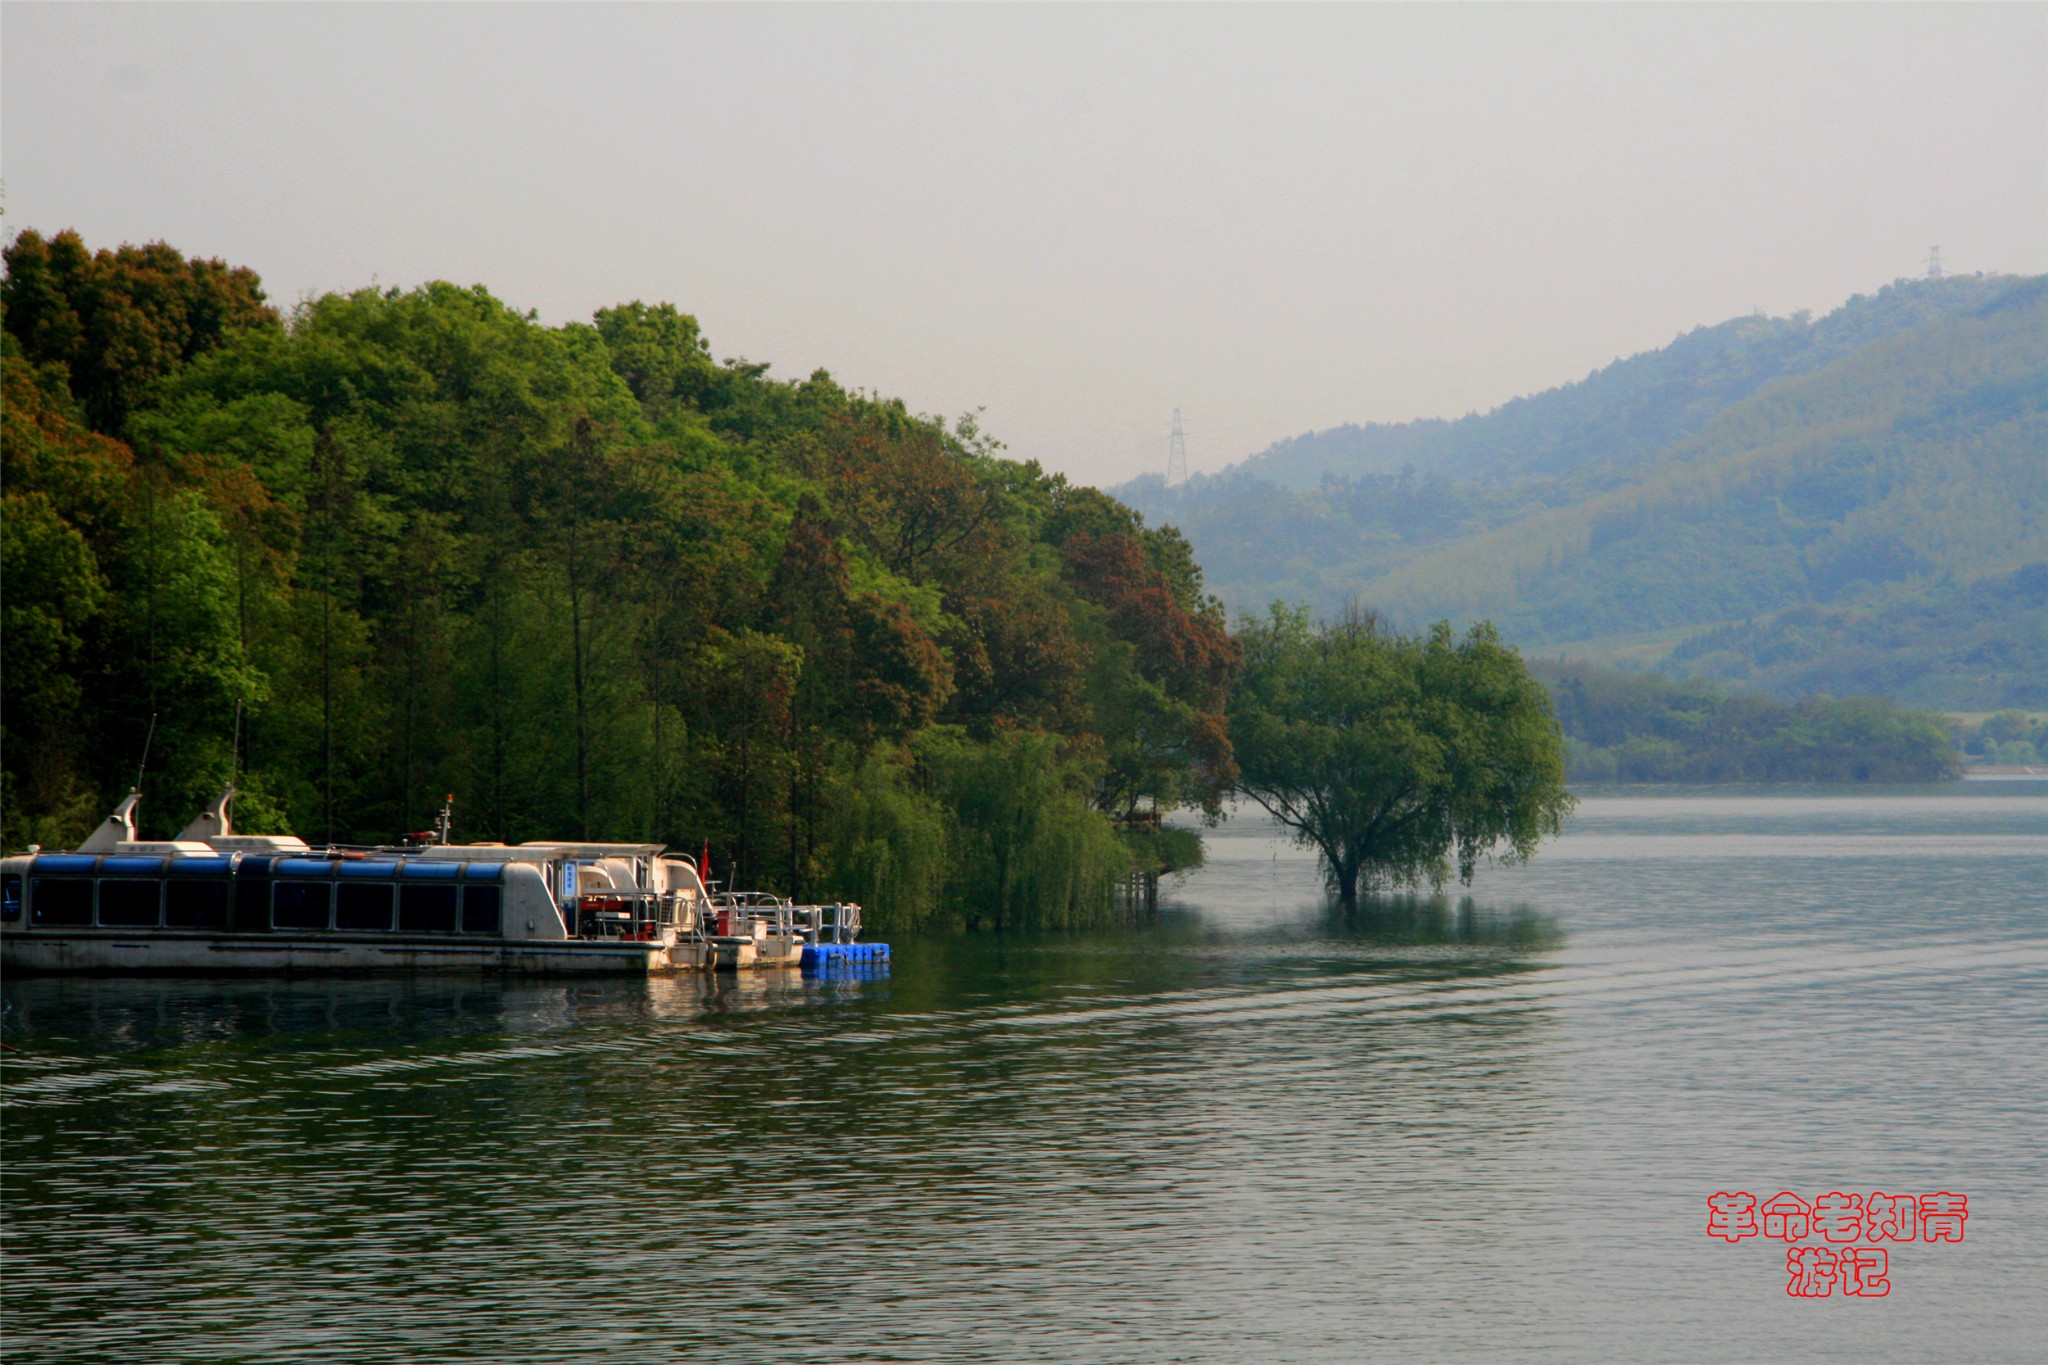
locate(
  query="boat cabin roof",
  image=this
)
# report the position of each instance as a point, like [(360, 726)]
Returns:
[(257, 843), (199, 840), (580, 850), (534, 850)]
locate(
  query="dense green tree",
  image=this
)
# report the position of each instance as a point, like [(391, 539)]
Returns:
[(1026, 845), (60, 490), (661, 355), (120, 320), (1160, 681), (2007, 737), (588, 579), (1398, 758)]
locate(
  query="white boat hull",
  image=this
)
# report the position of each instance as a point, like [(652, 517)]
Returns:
[(93, 950)]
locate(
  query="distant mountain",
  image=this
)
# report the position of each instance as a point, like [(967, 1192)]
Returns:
[(1645, 403), (1858, 503)]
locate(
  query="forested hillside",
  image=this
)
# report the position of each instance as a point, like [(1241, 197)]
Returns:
[(1851, 505), (590, 580)]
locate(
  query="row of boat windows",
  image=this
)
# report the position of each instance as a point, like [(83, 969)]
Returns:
[(226, 865), (253, 905)]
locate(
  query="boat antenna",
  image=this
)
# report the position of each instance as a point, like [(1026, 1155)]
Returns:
[(235, 745), (143, 766), (444, 820)]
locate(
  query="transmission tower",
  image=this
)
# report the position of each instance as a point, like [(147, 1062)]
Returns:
[(1934, 263), (1176, 454)]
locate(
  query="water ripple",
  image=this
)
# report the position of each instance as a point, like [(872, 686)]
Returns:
[(1257, 1130)]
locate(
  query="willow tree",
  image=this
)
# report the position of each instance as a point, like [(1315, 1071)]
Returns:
[(1399, 758)]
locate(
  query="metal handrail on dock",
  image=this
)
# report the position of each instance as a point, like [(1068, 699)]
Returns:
[(736, 913)]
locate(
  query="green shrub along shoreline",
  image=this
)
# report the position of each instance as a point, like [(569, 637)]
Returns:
[(2005, 738), (587, 578), (1642, 727)]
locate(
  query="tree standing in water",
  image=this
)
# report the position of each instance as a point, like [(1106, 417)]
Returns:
[(1396, 757)]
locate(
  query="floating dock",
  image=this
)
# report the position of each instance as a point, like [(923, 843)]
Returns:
[(821, 957)]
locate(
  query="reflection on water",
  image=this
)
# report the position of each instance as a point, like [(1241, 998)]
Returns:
[(1259, 1128), (1447, 921)]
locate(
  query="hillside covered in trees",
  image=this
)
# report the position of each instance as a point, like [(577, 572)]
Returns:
[(1855, 504), (587, 578)]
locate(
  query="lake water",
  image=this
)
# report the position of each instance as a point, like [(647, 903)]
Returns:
[(1253, 1131)]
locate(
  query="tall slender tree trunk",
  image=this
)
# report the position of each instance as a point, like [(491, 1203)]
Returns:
[(746, 812), (496, 570), (149, 577), (412, 692), (660, 831), (578, 683), (327, 642), (796, 769), (242, 593)]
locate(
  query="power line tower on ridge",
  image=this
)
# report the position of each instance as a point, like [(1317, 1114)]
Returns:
[(1176, 454), (1934, 263)]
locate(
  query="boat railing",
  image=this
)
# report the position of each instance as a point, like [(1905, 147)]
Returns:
[(631, 913), (741, 914), (835, 923)]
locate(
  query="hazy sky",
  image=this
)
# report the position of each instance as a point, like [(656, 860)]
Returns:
[(1274, 218)]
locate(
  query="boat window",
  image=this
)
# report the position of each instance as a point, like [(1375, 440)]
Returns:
[(479, 909), (300, 905), (61, 901), (126, 904), (358, 905), (252, 899), (10, 897), (196, 904), (426, 909)]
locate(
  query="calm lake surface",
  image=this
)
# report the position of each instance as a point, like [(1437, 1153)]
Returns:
[(1252, 1131)]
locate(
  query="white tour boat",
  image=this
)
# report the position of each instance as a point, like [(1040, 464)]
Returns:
[(212, 900)]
